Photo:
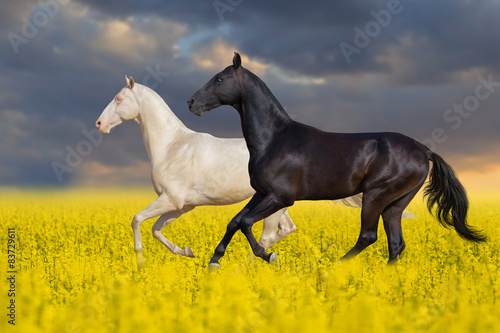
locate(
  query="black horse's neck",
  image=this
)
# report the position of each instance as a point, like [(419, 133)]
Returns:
[(262, 116)]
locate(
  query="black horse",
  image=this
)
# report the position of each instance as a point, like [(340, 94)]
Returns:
[(291, 161)]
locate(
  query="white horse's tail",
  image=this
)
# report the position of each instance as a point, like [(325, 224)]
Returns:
[(356, 200)]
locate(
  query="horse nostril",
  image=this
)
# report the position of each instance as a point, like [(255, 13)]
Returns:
[(190, 102), (98, 123)]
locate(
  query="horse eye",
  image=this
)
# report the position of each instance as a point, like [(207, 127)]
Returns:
[(219, 79), (118, 99)]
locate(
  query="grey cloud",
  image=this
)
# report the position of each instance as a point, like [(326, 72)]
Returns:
[(60, 82)]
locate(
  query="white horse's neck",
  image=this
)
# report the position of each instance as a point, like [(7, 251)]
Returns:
[(159, 125)]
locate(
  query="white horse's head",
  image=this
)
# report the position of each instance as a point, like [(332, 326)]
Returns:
[(122, 108)]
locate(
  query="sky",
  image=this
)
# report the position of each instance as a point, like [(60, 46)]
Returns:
[(427, 69)]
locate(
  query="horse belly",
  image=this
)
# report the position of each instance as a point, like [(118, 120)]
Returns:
[(223, 187), (328, 175), (296, 179), (318, 186)]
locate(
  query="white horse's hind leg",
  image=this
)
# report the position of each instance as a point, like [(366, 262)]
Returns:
[(286, 226), (157, 207), (161, 223), (276, 227), (269, 230)]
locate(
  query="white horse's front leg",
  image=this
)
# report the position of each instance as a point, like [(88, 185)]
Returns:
[(276, 227), (157, 207), (161, 223)]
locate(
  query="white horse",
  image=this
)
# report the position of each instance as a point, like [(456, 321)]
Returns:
[(188, 168)]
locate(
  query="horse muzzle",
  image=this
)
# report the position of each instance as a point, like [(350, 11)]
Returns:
[(196, 109), (101, 127)]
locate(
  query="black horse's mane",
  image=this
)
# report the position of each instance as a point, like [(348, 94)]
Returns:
[(268, 93)]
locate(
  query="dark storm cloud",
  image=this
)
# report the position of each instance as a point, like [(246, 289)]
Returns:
[(12, 12), (426, 59), (444, 36)]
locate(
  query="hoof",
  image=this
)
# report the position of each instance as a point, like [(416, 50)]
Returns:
[(213, 266), (188, 252), (141, 261), (273, 259), (341, 260)]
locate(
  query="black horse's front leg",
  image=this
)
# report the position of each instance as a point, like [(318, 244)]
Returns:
[(266, 207), (232, 227)]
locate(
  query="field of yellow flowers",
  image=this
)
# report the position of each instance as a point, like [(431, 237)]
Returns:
[(74, 271)]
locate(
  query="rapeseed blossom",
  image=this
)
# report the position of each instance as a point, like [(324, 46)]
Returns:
[(76, 271)]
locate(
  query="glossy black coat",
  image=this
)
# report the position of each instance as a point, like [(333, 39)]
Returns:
[(291, 161)]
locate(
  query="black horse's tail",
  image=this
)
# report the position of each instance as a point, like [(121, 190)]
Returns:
[(445, 191)]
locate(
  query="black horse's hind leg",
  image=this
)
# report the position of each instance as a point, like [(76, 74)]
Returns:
[(370, 215), (392, 224), (233, 226), (268, 206)]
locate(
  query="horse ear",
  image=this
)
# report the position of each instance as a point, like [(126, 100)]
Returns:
[(236, 60), (130, 82)]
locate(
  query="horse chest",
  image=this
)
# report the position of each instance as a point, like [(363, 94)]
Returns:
[(268, 175), (258, 171)]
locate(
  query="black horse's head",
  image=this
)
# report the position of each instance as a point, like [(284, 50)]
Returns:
[(222, 89)]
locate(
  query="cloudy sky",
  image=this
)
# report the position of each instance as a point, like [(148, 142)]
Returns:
[(428, 69)]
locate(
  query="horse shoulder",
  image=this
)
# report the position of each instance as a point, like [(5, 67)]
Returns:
[(174, 166)]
